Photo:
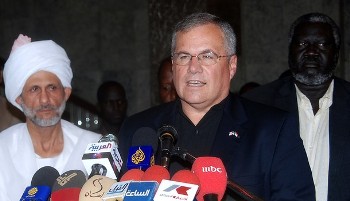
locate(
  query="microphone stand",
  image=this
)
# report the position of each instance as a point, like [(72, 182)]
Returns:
[(210, 197), (239, 190), (242, 192), (184, 155)]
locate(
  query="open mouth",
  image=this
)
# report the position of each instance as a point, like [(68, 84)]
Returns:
[(195, 83)]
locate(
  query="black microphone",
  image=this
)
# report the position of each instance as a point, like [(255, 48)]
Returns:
[(184, 155), (41, 185), (67, 187), (145, 136), (167, 137), (144, 145)]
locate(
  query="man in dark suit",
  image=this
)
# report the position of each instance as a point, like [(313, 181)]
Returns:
[(320, 100), (259, 146)]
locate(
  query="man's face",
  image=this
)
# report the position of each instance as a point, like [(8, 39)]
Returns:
[(43, 99), (167, 90), (113, 106), (197, 85), (312, 53)]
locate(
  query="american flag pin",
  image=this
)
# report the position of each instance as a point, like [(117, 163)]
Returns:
[(233, 133)]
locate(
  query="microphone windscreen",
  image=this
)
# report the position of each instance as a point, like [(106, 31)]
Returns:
[(133, 174), (156, 173), (66, 194), (212, 176), (145, 136), (186, 176), (95, 188), (45, 176), (168, 131)]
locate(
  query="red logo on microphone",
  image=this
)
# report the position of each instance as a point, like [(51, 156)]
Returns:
[(182, 190)]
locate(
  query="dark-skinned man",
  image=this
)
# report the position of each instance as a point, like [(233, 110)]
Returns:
[(320, 101)]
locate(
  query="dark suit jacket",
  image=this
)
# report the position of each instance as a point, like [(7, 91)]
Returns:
[(267, 158), (281, 94)]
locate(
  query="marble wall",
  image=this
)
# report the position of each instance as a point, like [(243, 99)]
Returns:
[(126, 40)]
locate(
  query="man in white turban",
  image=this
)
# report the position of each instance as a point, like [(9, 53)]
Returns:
[(37, 78)]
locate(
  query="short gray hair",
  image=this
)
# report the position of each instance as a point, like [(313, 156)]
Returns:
[(198, 19), (316, 18)]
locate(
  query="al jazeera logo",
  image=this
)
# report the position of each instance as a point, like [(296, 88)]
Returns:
[(32, 191), (139, 156)]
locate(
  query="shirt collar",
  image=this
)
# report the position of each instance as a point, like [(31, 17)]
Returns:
[(324, 102)]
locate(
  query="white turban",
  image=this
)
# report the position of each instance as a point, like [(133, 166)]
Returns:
[(30, 58)]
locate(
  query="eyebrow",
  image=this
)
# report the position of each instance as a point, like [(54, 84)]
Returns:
[(202, 52)]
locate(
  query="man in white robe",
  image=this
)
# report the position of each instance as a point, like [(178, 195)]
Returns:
[(37, 79)]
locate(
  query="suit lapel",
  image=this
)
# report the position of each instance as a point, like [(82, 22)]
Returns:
[(286, 96), (339, 131), (231, 129)]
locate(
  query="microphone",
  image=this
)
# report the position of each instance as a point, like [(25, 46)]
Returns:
[(183, 186), (140, 157), (103, 158), (168, 137), (186, 176), (141, 190), (41, 184), (144, 144), (146, 188), (137, 185), (184, 155), (67, 186), (117, 191), (212, 176), (234, 187), (156, 173), (133, 174), (95, 188)]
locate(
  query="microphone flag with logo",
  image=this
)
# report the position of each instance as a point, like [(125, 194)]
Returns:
[(212, 176), (41, 184), (103, 158), (68, 186), (182, 186)]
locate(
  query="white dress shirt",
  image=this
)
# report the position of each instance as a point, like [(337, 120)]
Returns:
[(314, 131), (19, 161)]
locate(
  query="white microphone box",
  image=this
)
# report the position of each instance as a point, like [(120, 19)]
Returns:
[(105, 154), (174, 191), (117, 191)]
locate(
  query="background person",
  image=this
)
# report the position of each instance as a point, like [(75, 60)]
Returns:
[(112, 104), (167, 92), (320, 100)]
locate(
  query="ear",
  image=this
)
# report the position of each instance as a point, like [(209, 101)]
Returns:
[(233, 65), (19, 100), (67, 92)]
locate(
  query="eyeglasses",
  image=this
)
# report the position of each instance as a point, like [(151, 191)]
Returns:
[(204, 59)]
